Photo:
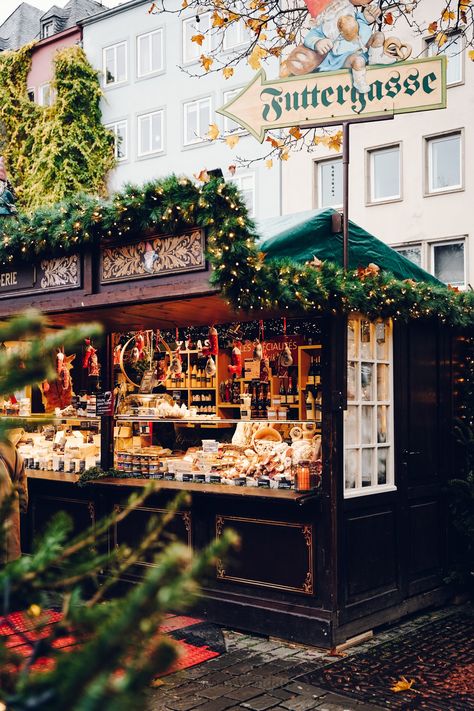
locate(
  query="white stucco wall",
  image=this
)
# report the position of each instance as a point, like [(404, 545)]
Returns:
[(168, 91)]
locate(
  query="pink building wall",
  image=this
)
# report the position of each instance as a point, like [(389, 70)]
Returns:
[(41, 71)]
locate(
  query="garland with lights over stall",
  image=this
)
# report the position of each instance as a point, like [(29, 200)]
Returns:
[(308, 408)]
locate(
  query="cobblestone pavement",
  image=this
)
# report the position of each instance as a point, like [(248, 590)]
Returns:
[(259, 674)]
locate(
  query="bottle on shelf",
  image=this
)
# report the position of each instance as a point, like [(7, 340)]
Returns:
[(309, 404), (318, 405), (193, 377), (282, 392), (311, 380), (254, 402), (317, 368), (290, 393)]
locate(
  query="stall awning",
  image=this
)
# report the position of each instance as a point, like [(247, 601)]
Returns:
[(303, 235)]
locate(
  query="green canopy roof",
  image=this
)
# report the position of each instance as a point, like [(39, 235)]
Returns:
[(303, 235)]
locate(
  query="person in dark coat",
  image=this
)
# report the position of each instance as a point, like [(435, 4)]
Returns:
[(12, 480)]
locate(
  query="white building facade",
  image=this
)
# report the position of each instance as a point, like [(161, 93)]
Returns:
[(412, 178), (160, 113)]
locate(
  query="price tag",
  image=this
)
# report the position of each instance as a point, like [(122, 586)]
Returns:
[(215, 479), (104, 403), (241, 481), (264, 483), (284, 484), (169, 476), (187, 476), (200, 478)]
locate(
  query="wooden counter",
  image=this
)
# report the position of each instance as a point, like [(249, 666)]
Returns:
[(220, 489)]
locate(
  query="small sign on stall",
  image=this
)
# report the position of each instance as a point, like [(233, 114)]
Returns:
[(104, 404)]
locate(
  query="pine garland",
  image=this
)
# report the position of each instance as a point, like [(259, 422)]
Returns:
[(246, 279), (53, 152)]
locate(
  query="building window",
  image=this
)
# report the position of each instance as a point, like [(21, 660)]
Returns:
[(150, 53), (47, 29), (229, 125), (199, 25), (444, 172), (368, 420), (454, 51), (115, 64), (236, 35), (329, 183), (384, 174), (197, 117), (46, 95), (30, 94), (150, 133), (120, 131), (411, 252), (448, 262), (246, 185)]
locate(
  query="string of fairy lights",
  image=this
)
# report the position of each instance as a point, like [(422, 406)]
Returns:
[(249, 281)]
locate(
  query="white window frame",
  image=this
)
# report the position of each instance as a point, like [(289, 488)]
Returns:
[(432, 50), (206, 46), (411, 245), (370, 174), (149, 35), (427, 148), (445, 243), (149, 114), (225, 98), (200, 138), (113, 127), (318, 183), (358, 403), (45, 26), (41, 92), (245, 37), (238, 179), (124, 43)]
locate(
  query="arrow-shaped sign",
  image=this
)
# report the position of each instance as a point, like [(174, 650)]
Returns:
[(326, 97)]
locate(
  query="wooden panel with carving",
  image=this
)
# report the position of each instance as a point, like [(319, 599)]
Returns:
[(153, 257), (132, 530), (272, 554)]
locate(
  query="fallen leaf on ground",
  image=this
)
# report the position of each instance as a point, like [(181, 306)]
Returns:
[(403, 684)]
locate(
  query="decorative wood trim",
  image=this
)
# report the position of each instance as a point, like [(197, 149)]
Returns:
[(153, 257), (307, 586), (186, 517)]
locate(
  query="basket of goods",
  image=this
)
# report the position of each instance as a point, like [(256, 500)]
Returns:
[(265, 438)]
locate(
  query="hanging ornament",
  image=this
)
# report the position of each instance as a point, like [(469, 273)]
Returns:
[(235, 367), (257, 350), (91, 361), (176, 365), (117, 351), (286, 359), (264, 370), (212, 346), (210, 369)]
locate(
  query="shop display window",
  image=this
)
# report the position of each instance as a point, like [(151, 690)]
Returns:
[(368, 427)]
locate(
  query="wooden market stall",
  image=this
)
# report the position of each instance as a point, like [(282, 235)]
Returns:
[(366, 540)]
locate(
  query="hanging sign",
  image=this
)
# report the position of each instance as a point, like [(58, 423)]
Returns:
[(325, 97), (47, 275)]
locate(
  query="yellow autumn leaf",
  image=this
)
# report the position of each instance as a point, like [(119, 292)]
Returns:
[(206, 62), (295, 132), (203, 176), (232, 140), (464, 5), (335, 141), (284, 155), (213, 132), (269, 163), (184, 4), (255, 56), (232, 17), (403, 684), (448, 15), (228, 72), (441, 38), (199, 39), (275, 143), (432, 27), (217, 20), (470, 54)]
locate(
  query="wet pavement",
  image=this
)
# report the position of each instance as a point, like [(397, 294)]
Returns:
[(259, 674)]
